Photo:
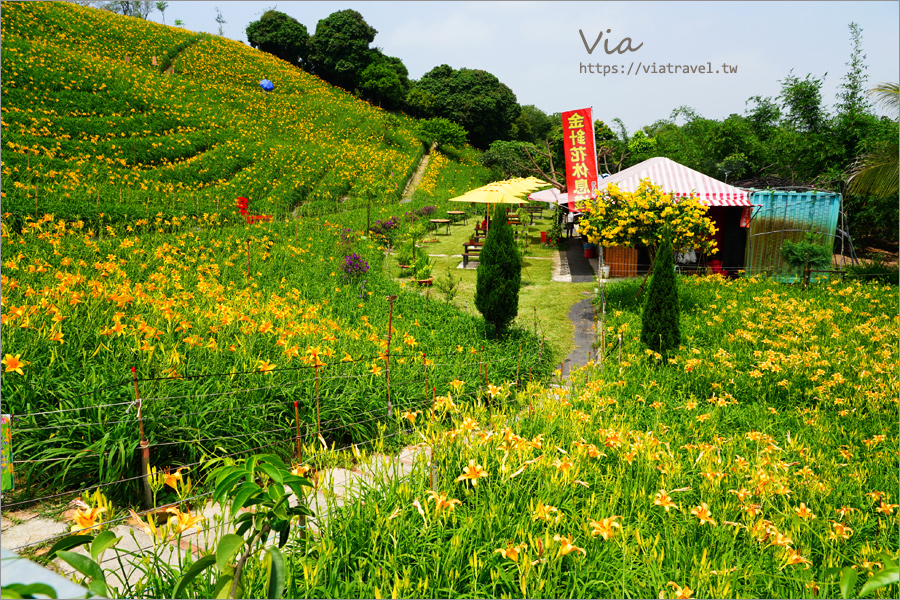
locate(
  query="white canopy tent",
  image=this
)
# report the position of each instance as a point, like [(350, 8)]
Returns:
[(671, 176)]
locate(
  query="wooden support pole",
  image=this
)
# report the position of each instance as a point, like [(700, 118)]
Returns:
[(297, 423), (145, 445), (318, 420), (518, 364), (387, 360)]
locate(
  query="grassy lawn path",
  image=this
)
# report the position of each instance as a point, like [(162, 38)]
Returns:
[(544, 304)]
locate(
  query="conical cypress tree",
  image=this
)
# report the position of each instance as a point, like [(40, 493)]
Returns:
[(499, 274), (660, 326)]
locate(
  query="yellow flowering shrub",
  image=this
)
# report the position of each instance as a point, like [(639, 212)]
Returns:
[(617, 218)]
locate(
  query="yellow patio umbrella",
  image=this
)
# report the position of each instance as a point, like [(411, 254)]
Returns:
[(488, 195), (518, 185)]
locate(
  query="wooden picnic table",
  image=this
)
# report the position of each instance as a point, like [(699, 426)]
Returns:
[(473, 245), (459, 213), (439, 222)]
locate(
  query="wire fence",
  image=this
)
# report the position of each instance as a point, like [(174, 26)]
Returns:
[(314, 431), (155, 509)]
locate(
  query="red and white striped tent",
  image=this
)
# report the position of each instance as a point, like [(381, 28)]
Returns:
[(672, 177)]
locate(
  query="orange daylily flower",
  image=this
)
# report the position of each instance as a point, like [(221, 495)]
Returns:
[(702, 513), (886, 508), (85, 518), (13, 363), (663, 499), (803, 512), (472, 473), (566, 546), (794, 558), (605, 528), (543, 511), (681, 592), (841, 531), (183, 521), (511, 552), (441, 502)]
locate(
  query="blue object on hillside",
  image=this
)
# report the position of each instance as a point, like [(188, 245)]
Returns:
[(267, 85)]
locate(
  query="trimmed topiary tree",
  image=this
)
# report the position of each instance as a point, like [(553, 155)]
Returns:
[(499, 274), (660, 325)]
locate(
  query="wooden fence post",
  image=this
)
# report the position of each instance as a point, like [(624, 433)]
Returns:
[(387, 360), (145, 445)]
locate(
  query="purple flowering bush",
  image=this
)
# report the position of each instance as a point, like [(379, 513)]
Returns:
[(355, 266)]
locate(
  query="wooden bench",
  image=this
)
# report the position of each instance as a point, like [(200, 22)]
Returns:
[(467, 256)]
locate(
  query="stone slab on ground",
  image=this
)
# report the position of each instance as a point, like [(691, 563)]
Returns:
[(582, 316), (31, 532)]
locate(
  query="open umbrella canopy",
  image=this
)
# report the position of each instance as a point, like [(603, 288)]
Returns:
[(518, 186), (485, 195)]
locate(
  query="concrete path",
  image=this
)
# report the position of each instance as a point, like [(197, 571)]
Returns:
[(582, 316), (416, 179), (24, 530)]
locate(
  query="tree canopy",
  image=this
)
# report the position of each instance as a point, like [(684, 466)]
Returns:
[(499, 274), (281, 35), (339, 50), (385, 81), (473, 98)]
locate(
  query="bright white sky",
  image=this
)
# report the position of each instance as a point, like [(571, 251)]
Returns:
[(535, 47)]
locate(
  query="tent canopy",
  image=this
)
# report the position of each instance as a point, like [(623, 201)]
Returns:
[(668, 174)]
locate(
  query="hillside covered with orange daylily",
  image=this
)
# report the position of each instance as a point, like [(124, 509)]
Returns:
[(91, 124)]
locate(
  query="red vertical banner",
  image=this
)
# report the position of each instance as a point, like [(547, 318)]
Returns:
[(746, 215), (581, 155)]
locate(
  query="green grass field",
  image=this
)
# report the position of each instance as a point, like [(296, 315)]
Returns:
[(760, 460)]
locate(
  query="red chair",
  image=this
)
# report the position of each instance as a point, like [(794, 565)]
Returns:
[(243, 205)]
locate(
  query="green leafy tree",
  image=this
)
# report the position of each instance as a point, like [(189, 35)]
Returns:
[(511, 159), (442, 131), (339, 50), (220, 20), (532, 125), (280, 35), (385, 81), (802, 101), (130, 8), (475, 99), (419, 102), (499, 274), (161, 7), (763, 116), (660, 318), (876, 172)]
